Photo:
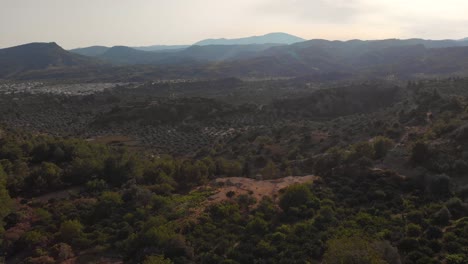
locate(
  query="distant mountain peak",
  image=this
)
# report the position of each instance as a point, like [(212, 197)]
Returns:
[(38, 56), (270, 38), (37, 45)]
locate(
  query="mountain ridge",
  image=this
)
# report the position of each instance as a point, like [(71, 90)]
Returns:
[(91, 51), (161, 47), (271, 38), (39, 56), (317, 57)]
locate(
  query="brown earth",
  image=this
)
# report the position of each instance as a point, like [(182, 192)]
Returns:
[(256, 188)]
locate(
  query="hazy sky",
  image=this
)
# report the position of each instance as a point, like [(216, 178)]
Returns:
[(78, 23)]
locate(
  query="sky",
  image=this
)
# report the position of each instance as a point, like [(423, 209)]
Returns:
[(81, 23)]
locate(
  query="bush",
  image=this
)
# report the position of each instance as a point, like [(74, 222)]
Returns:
[(442, 217), (157, 260), (413, 230), (96, 185), (416, 217), (41, 260), (230, 194), (381, 146), (440, 185), (70, 231), (408, 244), (361, 150), (433, 233), (5, 200), (457, 207), (63, 252), (420, 152), (299, 200), (47, 176), (33, 238), (463, 192), (359, 250), (456, 259)]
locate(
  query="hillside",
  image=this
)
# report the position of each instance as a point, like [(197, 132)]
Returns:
[(92, 51), (377, 59), (200, 172), (39, 56), (224, 52), (127, 55)]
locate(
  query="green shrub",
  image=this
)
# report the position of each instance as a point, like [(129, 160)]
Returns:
[(413, 230), (381, 146), (456, 259), (420, 152), (70, 231), (353, 250), (156, 260), (298, 200)]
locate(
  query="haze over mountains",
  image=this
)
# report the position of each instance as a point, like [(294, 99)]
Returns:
[(99, 50), (257, 57), (272, 38)]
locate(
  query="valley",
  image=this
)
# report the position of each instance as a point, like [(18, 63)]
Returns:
[(295, 151)]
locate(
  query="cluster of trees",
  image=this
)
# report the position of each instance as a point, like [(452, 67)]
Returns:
[(41, 164)]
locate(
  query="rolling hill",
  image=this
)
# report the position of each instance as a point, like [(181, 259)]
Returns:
[(92, 51), (127, 55), (122, 55)]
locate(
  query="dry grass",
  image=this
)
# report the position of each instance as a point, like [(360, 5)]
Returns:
[(255, 188)]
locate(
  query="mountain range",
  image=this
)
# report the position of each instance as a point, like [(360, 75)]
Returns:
[(404, 58), (214, 53), (95, 51), (272, 38), (122, 55)]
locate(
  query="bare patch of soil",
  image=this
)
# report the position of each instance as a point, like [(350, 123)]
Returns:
[(225, 187)]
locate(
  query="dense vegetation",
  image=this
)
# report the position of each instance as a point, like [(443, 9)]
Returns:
[(391, 161)]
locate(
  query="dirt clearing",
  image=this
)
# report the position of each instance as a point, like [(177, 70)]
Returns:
[(256, 188)]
